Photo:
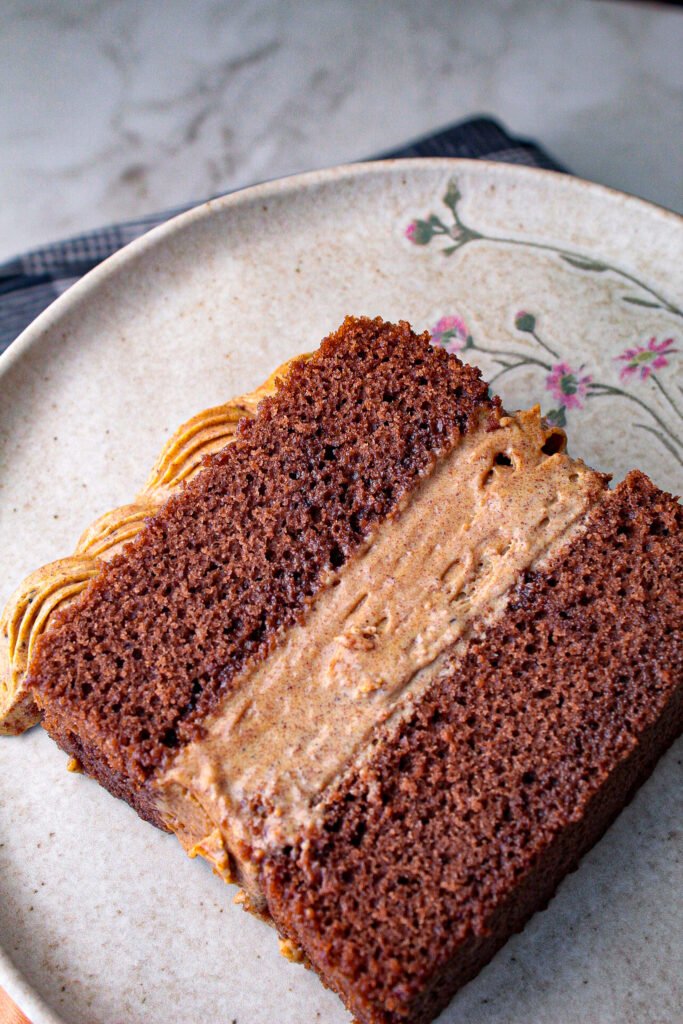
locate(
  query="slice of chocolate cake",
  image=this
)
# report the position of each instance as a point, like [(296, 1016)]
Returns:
[(392, 661)]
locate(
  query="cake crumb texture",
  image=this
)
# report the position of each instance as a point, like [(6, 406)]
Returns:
[(508, 769)]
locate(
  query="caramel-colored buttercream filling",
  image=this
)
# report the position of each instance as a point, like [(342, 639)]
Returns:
[(497, 504)]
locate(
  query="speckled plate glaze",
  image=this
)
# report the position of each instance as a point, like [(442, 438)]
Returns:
[(566, 294)]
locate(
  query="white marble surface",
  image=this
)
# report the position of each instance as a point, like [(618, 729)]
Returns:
[(113, 108)]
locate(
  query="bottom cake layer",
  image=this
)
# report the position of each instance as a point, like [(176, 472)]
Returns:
[(432, 853)]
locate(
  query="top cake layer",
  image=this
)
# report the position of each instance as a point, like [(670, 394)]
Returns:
[(127, 675)]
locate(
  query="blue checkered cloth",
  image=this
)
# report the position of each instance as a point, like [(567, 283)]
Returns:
[(30, 282)]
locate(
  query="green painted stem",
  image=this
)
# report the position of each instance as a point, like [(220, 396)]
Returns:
[(496, 352), (606, 389), (545, 345), (547, 247), (668, 397), (474, 236), (505, 369), (662, 440)]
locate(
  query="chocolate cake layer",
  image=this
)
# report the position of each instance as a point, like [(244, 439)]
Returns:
[(127, 675), (461, 825)]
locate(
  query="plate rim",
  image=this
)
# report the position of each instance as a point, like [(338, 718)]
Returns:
[(290, 184), (27, 998), (17, 986)]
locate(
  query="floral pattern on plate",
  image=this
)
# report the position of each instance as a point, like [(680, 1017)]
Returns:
[(569, 384)]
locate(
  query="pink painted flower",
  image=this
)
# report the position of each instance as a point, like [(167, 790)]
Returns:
[(568, 386), (450, 332), (525, 322), (643, 359), (419, 232)]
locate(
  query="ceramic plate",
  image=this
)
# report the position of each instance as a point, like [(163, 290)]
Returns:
[(566, 294)]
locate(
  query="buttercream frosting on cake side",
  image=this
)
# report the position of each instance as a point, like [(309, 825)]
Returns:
[(30, 610)]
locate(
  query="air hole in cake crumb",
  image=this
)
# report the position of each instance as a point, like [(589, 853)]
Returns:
[(502, 459), (170, 738), (357, 837), (553, 444), (86, 689), (528, 778), (337, 557)]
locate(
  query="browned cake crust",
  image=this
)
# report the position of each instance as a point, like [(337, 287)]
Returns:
[(504, 774), (129, 673)]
